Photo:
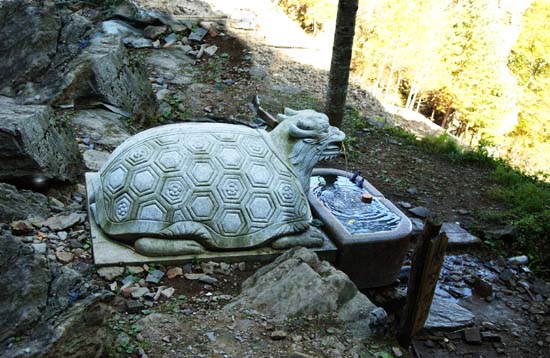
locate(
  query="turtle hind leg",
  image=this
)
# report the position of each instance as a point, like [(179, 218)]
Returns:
[(186, 230), (312, 238), (180, 238), (162, 247)]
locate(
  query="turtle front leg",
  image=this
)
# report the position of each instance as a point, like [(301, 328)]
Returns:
[(163, 247), (310, 238)]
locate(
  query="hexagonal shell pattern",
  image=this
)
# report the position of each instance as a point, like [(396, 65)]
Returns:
[(224, 177)]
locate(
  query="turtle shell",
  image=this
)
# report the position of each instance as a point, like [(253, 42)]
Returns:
[(227, 178)]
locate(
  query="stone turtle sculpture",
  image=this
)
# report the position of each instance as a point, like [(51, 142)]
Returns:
[(181, 188)]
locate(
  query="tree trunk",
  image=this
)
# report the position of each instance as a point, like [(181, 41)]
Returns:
[(419, 103), (446, 118), (395, 91), (341, 59), (389, 83), (381, 68)]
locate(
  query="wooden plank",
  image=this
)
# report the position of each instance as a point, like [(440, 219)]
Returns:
[(426, 265)]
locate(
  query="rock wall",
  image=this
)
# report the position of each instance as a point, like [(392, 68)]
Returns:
[(50, 54), (34, 144), (47, 310)]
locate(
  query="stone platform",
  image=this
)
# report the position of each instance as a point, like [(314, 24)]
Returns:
[(109, 252)]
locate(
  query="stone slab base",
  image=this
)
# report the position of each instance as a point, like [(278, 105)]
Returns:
[(109, 252)]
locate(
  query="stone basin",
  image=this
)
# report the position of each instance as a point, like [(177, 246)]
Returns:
[(371, 258)]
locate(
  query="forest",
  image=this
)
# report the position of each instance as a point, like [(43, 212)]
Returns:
[(479, 69)]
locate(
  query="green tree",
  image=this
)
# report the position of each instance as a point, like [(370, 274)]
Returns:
[(530, 62)]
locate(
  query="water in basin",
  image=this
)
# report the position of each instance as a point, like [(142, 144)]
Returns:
[(343, 199)]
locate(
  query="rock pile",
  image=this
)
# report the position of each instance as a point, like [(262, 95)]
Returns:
[(297, 283)]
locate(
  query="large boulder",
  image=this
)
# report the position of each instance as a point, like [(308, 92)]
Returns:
[(46, 310), (37, 40), (33, 143), (102, 127), (29, 37), (299, 284), (105, 71), (20, 204), (50, 54)]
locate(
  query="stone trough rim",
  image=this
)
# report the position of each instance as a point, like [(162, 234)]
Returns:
[(339, 233)]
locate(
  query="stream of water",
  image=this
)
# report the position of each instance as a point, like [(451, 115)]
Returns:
[(343, 198)]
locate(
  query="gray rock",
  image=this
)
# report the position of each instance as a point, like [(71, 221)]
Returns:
[(168, 292), (64, 256), (420, 211), (404, 204), (134, 270), (519, 260), (21, 204), (507, 275), (153, 32), (137, 42), (487, 336), (102, 127), (257, 72), (138, 292), (34, 144), (175, 61), (94, 159), (211, 336), (197, 34), (458, 237), (92, 74), (397, 352), (201, 277), (50, 308), (40, 248), (170, 40), (482, 287), (162, 94), (154, 276), (19, 22), (37, 40), (541, 287), (110, 273), (135, 14), (128, 279), (445, 315), (120, 28), (417, 226), (133, 306), (211, 50), (507, 233), (472, 336), (178, 27), (298, 283), (278, 335), (62, 222)]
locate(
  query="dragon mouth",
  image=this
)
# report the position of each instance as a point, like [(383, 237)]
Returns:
[(331, 151)]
